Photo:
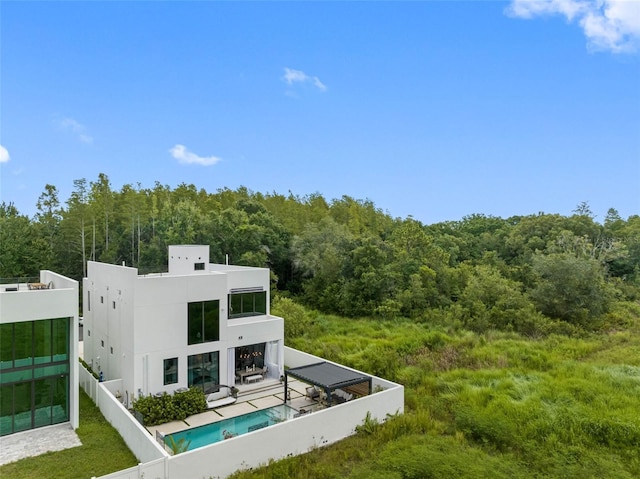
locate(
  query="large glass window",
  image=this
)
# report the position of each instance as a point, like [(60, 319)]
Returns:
[(23, 344), (251, 355), (6, 346), (42, 341), (170, 371), (60, 400), (22, 406), (6, 410), (42, 402), (204, 371), (247, 304), (34, 384), (60, 339), (203, 321)]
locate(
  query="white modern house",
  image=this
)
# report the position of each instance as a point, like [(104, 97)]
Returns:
[(38, 353), (199, 324), (207, 325)]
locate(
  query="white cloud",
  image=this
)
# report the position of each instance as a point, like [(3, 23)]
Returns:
[(183, 155), (4, 155), (612, 25), (79, 130), (292, 76)]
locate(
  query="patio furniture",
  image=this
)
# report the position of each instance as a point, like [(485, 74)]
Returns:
[(341, 396), (245, 373), (253, 379), (221, 398), (312, 393)]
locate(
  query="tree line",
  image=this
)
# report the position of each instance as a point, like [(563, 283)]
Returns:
[(532, 274)]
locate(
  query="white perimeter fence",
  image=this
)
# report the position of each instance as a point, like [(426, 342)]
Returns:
[(219, 460)]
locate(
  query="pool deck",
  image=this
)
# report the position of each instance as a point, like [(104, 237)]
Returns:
[(251, 398)]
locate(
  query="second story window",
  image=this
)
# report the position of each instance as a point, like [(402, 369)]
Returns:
[(203, 322), (243, 304)]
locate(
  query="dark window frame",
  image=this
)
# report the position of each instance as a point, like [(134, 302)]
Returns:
[(246, 304), (203, 371), (35, 377), (170, 376), (203, 322)]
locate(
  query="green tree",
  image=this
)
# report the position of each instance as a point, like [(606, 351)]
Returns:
[(491, 301), (570, 288), (101, 200), (48, 217), (319, 255), (366, 277), (74, 231), (22, 251)]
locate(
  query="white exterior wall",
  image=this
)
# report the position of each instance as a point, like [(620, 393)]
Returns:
[(60, 301), (161, 326), (106, 327), (149, 323), (183, 257)]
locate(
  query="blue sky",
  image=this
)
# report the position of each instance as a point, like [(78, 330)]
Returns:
[(431, 109)]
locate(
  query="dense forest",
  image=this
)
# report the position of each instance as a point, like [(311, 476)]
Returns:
[(534, 274), (517, 340)]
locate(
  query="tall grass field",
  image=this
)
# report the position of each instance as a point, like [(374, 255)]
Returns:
[(492, 405)]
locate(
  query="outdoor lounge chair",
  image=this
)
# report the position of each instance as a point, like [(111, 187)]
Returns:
[(312, 393), (221, 398)]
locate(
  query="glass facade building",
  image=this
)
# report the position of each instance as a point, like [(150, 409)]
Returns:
[(34, 374)]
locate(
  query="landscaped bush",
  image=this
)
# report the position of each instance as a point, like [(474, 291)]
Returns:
[(192, 401), (165, 408)]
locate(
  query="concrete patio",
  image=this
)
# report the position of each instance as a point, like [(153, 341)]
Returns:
[(251, 397), (37, 441)]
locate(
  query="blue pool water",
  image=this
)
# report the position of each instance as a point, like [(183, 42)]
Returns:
[(235, 426)]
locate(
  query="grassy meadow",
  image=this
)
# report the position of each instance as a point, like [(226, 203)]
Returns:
[(492, 405)]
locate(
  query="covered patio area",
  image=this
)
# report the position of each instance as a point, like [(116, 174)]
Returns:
[(334, 384)]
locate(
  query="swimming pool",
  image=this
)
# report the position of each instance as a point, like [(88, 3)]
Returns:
[(211, 433)]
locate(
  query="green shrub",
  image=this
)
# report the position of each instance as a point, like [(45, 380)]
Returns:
[(296, 318), (166, 408), (192, 401)]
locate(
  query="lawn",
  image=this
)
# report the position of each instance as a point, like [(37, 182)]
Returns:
[(102, 452)]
